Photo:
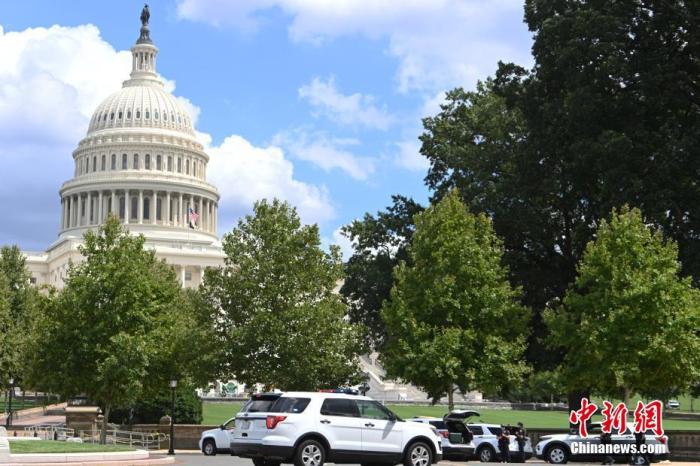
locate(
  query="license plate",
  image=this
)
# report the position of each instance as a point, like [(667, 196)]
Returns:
[(245, 425)]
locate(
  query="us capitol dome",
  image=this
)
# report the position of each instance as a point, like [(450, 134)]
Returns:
[(140, 160)]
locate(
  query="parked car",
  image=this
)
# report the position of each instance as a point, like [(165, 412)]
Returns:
[(486, 443), (673, 404), (218, 440), (557, 448), (310, 429), (457, 444)]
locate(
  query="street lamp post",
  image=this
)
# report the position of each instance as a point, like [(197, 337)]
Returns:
[(171, 450), (8, 420)]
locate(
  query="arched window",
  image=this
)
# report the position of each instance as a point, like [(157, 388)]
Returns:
[(134, 214), (179, 164), (136, 162), (158, 163), (94, 163), (170, 163), (111, 116), (104, 118), (128, 114), (146, 208), (114, 161), (138, 114), (165, 116), (179, 119), (103, 162), (147, 115), (194, 168), (120, 115), (147, 162), (125, 162), (187, 167), (155, 114)]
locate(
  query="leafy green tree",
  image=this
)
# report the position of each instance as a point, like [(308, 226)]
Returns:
[(453, 319), (21, 298), (380, 243), (629, 324), (149, 410), (280, 321), (7, 336), (103, 335)]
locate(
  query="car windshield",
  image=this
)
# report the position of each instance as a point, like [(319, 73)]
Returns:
[(259, 404), (289, 405)]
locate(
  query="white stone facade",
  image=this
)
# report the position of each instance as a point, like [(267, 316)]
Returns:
[(140, 160)]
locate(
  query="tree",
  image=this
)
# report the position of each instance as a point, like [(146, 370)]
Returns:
[(379, 245), (21, 298), (600, 121), (280, 322), (453, 319), (629, 323), (7, 340), (100, 336)]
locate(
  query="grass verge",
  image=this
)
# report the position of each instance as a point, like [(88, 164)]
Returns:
[(53, 446)]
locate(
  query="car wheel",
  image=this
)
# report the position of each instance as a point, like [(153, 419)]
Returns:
[(486, 454), (209, 447), (310, 453), (557, 455), (639, 460), (418, 454)]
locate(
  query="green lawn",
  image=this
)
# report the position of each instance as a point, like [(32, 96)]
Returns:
[(218, 413), (52, 446)]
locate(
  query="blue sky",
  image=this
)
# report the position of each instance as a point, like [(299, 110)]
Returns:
[(317, 102)]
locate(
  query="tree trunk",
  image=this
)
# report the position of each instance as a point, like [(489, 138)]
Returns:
[(451, 400), (627, 396), (103, 430)]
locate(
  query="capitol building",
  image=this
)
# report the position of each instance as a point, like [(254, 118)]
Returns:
[(140, 160)]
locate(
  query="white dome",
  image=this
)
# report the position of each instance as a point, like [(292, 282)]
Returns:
[(143, 105)]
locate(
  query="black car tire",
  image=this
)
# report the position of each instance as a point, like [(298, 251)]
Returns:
[(418, 454), (310, 453), (556, 454), (377, 464), (486, 453), (209, 447)]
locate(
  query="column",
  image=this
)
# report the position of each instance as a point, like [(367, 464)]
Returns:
[(180, 223), (140, 210), (63, 213), (80, 210), (113, 203), (88, 209), (167, 209), (154, 205), (100, 213), (201, 212), (127, 205), (216, 217), (182, 276)]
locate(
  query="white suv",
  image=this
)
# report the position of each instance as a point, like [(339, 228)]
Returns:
[(309, 429)]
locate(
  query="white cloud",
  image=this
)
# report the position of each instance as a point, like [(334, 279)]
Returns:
[(352, 110), (409, 157), (439, 43), (245, 173), (51, 80), (326, 152)]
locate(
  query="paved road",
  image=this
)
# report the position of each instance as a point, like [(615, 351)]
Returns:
[(189, 459)]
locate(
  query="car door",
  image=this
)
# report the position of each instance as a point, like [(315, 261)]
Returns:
[(382, 433), (224, 435), (340, 423)]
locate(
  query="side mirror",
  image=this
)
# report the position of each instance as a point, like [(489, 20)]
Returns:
[(221, 427), (392, 417)]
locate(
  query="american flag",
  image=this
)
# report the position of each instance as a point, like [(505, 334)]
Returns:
[(193, 218)]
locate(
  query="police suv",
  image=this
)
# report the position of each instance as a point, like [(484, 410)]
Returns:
[(310, 429)]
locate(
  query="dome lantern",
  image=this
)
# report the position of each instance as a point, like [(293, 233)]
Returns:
[(143, 56)]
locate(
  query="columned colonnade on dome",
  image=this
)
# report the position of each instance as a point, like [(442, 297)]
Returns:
[(150, 207)]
